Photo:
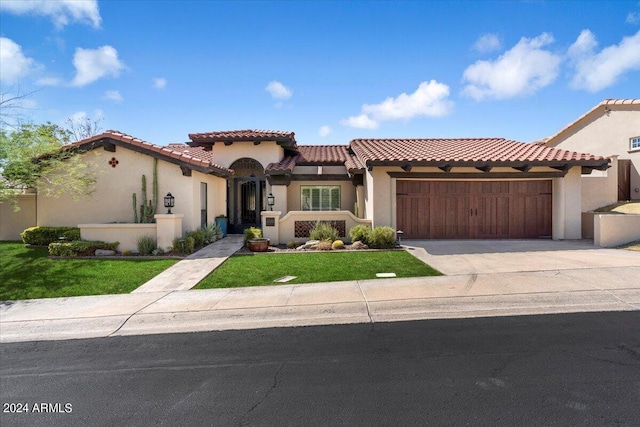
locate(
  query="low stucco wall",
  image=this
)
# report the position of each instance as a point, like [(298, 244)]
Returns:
[(126, 234), (12, 221), (283, 229), (611, 230)]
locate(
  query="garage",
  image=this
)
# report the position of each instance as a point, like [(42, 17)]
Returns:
[(515, 209)]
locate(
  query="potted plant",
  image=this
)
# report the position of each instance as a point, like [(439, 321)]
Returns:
[(222, 222), (254, 240)]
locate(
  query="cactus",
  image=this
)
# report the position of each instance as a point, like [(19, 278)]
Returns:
[(148, 207), (135, 208)]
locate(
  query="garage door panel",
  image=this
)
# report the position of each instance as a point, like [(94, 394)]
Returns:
[(474, 209)]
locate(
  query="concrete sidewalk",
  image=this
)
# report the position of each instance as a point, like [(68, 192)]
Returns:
[(456, 296), (187, 273)]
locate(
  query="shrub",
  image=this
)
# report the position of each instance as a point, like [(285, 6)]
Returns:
[(183, 245), (360, 233), (382, 238), (252, 233), (42, 236), (323, 231), (198, 237), (291, 244), (338, 244), (126, 252), (80, 247), (212, 232), (146, 245), (325, 245), (189, 245)]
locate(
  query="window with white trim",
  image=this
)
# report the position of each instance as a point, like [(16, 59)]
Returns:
[(320, 198), (634, 143)]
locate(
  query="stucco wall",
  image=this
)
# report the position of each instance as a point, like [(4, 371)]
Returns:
[(265, 153), (600, 188), (567, 206), (112, 200), (13, 222), (614, 229), (606, 135)]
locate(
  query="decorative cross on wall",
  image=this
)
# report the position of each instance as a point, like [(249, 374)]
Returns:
[(113, 162)]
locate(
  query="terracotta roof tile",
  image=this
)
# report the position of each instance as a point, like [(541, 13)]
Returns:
[(318, 155), (192, 156), (244, 135), (464, 150)]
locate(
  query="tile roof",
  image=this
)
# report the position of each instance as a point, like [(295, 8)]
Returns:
[(463, 151), (244, 135), (182, 153), (603, 105), (317, 155)]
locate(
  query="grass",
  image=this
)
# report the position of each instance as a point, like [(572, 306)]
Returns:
[(623, 207), (633, 246), (27, 273), (263, 269)]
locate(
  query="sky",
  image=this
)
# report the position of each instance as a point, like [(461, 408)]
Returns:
[(330, 71)]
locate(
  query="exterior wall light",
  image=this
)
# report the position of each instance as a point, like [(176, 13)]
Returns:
[(271, 200), (169, 202)]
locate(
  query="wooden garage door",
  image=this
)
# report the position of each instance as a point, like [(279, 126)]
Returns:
[(474, 209)]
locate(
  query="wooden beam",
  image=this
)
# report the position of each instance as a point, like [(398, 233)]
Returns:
[(407, 167), (185, 170), (564, 168), (523, 168), (475, 175), (109, 146), (446, 168), (484, 168)]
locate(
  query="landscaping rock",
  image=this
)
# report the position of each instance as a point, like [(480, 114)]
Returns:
[(359, 245), (311, 244), (104, 252)]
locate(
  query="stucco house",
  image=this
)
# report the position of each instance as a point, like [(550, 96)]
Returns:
[(428, 188), (612, 129)]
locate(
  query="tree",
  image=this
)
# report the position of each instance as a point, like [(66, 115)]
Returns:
[(83, 127), (33, 156)]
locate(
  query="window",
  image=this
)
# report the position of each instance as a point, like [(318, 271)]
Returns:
[(634, 143), (320, 198)]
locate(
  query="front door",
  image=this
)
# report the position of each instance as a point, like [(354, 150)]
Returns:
[(248, 195)]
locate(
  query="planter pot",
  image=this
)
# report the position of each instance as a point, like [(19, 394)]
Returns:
[(258, 245), (222, 223)]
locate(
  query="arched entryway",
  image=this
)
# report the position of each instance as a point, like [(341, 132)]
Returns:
[(246, 195)]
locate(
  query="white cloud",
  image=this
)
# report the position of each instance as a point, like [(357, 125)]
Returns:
[(522, 70), (633, 18), (93, 64), (113, 95), (49, 81), (14, 65), (487, 43), (278, 90), (429, 100), (61, 12), (362, 122), (159, 82), (324, 131), (595, 71)]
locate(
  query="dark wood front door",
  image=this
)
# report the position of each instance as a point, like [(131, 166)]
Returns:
[(474, 209)]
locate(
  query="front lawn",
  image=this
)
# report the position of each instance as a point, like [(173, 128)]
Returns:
[(27, 273), (263, 269)]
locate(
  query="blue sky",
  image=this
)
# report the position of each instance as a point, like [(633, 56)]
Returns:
[(328, 71)]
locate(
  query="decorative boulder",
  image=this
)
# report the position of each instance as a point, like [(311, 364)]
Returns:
[(104, 252)]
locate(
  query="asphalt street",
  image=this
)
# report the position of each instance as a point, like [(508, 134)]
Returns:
[(565, 369)]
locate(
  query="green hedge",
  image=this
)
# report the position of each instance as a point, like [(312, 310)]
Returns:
[(43, 236), (80, 248)]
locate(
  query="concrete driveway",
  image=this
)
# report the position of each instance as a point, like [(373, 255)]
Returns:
[(454, 257)]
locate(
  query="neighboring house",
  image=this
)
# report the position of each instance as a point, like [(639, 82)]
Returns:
[(612, 129), (428, 188)]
